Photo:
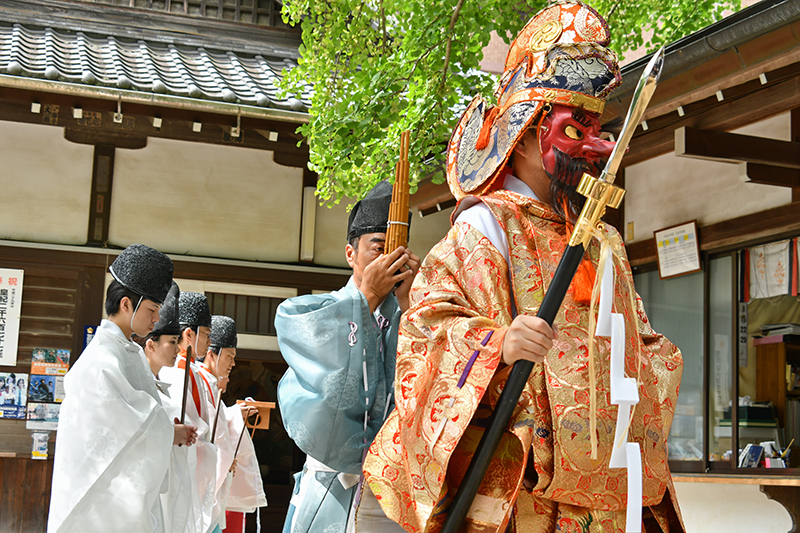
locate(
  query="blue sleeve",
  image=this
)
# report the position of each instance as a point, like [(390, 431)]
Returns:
[(326, 341)]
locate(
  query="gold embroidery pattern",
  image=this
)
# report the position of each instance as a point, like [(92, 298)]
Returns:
[(462, 292), (544, 37)]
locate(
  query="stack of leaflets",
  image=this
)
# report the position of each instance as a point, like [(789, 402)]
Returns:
[(786, 328), (750, 456)]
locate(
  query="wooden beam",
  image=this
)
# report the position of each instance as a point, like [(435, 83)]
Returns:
[(429, 195), (724, 146), (97, 126), (290, 160), (769, 175), (120, 139), (303, 280), (730, 114), (748, 230)]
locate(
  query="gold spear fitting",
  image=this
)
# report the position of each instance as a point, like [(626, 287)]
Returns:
[(599, 195)]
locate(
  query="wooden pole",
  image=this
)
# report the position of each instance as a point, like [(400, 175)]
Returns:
[(216, 418), (186, 382)]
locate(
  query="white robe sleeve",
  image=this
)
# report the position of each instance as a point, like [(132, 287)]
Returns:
[(202, 457), (247, 487), (113, 444)]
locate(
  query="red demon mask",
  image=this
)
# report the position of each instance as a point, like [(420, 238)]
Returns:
[(576, 134)]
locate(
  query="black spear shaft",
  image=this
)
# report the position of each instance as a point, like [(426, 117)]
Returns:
[(507, 402)]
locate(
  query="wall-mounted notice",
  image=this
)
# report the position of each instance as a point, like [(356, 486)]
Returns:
[(678, 250), (13, 395), (50, 362), (10, 306)]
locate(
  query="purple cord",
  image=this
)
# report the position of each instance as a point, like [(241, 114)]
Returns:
[(472, 361)]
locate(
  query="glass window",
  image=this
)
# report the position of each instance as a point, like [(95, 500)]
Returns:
[(768, 376), (675, 309), (720, 330)]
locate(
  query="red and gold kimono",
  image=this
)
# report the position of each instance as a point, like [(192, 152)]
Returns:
[(464, 290)]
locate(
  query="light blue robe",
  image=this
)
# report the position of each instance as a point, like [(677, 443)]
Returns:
[(326, 339)]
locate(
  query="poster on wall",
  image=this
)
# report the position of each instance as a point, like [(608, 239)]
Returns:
[(13, 395), (10, 306), (49, 362), (46, 387), (43, 416), (678, 250), (39, 448)]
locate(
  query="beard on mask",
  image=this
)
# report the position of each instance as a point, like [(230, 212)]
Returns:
[(565, 199)]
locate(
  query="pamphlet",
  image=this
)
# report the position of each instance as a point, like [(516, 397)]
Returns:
[(13, 395)]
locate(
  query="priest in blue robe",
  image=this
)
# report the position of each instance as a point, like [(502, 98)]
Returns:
[(340, 348)]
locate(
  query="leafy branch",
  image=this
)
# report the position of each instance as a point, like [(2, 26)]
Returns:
[(381, 67)]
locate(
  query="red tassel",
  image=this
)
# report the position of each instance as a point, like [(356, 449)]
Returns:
[(486, 130), (583, 282)]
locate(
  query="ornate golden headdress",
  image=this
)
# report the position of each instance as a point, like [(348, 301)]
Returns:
[(559, 57)]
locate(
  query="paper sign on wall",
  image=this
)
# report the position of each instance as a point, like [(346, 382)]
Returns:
[(10, 306), (678, 250)]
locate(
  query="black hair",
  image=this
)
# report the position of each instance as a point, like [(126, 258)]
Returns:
[(354, 242), (184, 327), (195, 329), (565, 199), (114, 295), (142, 341), (215, 349)]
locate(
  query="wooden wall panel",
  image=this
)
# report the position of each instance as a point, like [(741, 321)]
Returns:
[(56, 301), (24, 495)]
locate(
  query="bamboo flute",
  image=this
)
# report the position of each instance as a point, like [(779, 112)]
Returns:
[(397, 231)]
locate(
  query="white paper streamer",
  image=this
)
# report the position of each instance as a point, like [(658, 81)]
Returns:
[(624, 394)]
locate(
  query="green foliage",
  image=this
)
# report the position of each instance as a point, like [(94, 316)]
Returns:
[(381, 67)]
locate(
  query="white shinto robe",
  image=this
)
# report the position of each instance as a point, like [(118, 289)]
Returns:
[(113, 443)]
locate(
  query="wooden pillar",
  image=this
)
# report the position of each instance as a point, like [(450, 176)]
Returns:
[(795, 133), (100, 203)]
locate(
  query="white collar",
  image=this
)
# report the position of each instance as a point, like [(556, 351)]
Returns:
[(163, 386), (113, 329), (514, 184)]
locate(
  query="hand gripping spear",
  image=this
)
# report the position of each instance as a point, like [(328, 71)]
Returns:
[(600, 193)]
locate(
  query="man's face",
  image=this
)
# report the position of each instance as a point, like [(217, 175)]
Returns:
[(575, 134), (370, 247), (199, 341), (146, 317), (227, 360), (203, 339)]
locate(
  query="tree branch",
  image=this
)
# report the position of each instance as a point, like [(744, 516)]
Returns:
[(383, 27), (613, 8), (453, 20)]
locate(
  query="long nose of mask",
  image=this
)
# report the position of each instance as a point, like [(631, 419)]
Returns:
[(574, 133)]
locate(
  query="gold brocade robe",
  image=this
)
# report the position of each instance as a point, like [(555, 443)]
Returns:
[(460, 295)]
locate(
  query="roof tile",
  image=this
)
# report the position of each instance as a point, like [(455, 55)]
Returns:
[(145, 66)]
